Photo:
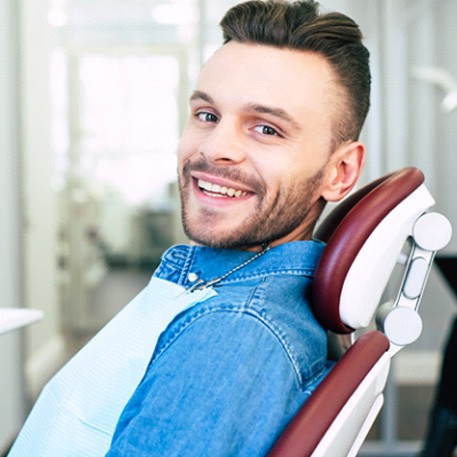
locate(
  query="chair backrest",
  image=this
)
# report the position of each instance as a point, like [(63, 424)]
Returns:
[(365, 237)]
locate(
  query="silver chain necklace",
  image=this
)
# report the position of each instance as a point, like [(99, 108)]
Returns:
[(201, 284)]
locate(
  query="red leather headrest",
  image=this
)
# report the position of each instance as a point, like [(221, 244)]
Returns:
[(345, 231)]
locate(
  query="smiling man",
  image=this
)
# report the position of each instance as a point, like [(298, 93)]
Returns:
[(221, 349), (258, 158)]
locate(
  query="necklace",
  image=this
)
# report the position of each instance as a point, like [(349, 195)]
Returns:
[(201, 284)]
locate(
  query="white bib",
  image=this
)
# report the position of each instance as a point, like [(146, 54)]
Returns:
[(78, 410)]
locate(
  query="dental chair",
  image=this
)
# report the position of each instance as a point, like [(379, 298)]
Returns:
[(382, 228)]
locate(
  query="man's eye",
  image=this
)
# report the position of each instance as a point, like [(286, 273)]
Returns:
[(204, 116), (266, 130)]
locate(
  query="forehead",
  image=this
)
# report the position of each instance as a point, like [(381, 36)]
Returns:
[(301, 82)]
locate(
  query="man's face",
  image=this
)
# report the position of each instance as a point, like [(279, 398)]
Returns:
[(253, 157)]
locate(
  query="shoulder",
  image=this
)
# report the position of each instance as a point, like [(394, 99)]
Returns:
[(273, 317), (223, 386), (220, 332)]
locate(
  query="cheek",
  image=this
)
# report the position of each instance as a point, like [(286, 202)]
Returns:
[(296, 176), (185, 148), (278, 173), (190, 146)]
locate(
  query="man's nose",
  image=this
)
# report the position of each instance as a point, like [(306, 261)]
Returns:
[(224, 144)]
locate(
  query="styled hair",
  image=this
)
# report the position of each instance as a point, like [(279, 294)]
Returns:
[(298, 25)]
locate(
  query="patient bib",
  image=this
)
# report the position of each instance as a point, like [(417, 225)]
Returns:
[(78, 410)]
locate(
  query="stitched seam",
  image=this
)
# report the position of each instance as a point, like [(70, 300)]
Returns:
[(246, 308), (259, 295), (187, 263), (236, 309), (176, 258), (309, 273)]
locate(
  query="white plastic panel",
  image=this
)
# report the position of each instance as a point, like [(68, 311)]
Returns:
[(349, 429), (14, 318), (374, 263)]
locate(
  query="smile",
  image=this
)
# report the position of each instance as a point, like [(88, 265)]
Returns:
[(216, 190)]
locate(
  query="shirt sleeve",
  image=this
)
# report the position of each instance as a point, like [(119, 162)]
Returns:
[(224, 387)]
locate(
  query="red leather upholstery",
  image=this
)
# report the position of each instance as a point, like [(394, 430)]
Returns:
[(314, 418), (345, 230)]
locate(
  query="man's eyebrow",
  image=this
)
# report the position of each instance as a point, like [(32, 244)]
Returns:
[(276, 112), (252, 107), (199, 95)]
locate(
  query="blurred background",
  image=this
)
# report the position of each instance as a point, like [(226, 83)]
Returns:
[(93, 98)]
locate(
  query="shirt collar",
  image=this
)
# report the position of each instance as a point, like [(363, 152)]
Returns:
[(202, 262)]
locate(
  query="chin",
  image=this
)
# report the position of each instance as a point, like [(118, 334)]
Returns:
[(212, 240), (223, 240)]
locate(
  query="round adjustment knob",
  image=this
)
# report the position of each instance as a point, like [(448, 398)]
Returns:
[(432, 231), (402, 325)]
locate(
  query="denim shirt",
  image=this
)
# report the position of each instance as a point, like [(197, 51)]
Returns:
[(228, 374)]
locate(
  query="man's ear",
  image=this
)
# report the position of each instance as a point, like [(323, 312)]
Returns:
[(343, 170)]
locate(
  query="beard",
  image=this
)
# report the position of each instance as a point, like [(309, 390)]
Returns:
[(269, 221)]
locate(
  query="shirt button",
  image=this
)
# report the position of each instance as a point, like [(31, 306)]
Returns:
[(192, 277)]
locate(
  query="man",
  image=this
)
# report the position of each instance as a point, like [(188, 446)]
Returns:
[(272, 135)]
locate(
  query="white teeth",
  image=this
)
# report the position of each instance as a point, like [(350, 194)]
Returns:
[(205, 185), (221, 190)]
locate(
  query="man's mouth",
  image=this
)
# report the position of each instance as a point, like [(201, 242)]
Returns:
[(216, 190)]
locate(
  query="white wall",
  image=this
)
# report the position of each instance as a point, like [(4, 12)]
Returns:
[(445, 147), (11, 388), (27, 227), (40, 207)]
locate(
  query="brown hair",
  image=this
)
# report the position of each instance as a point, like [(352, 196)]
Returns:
[(299, 25)]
